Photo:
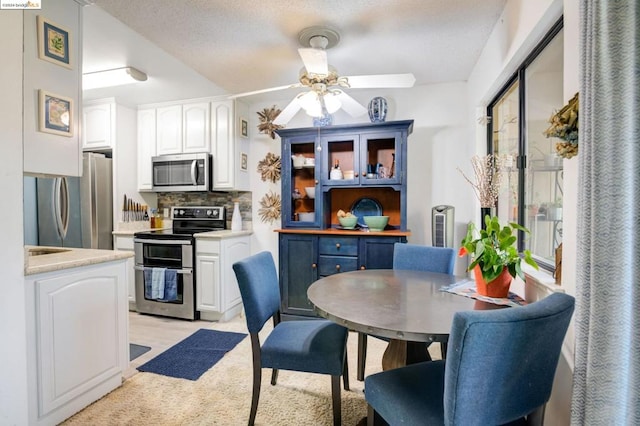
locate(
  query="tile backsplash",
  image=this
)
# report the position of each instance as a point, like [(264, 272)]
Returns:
[(226, 199)]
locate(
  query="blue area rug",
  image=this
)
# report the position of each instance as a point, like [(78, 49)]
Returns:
[(192, 357), (136, 350)]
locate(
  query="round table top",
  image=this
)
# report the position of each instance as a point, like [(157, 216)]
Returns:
[(397, 304)]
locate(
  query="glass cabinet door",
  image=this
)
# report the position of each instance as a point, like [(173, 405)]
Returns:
[(378, 158), (341, 160), (301, 202)]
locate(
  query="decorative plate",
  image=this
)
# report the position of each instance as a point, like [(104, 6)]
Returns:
[(366, 207)]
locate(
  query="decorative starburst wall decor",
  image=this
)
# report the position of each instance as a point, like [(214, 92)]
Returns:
[(271, 207), (270, 168), (266, 125)]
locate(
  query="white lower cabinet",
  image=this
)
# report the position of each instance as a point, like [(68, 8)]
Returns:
[(77, 338), (217, 293), (125, 243)]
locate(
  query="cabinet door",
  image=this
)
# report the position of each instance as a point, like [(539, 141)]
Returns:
[(208, 282), (223, 144), (302, 196), (126, 244), (196, 133), (377, 252), (341, 152), (169, 130), (233, 250), (98, 121), (298, 270), (380, 154), (81, 332), (146, 147)]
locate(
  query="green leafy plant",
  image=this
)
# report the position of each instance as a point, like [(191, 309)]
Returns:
[(493, 248)]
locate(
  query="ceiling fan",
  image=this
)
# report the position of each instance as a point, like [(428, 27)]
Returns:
[(326, 95)]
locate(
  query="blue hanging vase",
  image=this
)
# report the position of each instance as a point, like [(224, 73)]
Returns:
[(377, 109)]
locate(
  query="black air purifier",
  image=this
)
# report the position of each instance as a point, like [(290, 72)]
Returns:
[(442, 226)]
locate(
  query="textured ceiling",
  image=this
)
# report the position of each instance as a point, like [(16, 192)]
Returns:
[(244, 45)]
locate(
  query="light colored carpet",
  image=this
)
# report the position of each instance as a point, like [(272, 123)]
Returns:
[(222, 396)]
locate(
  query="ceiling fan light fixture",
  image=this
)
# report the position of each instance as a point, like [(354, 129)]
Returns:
[(331, 102)]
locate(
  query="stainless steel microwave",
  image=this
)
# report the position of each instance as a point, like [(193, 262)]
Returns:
[(182, 172)]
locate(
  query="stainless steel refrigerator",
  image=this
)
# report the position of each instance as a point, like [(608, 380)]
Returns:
[(77, 212)]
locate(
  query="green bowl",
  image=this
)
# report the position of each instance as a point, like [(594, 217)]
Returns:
[(376, 223), (348, 222)]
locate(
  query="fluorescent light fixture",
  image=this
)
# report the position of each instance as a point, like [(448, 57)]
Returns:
[(113, 77)]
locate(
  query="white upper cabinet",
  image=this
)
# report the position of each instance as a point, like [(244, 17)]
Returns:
[(228, 146), (146, 147), (169, 130), (195, 122), (52, 147), (99, 123)]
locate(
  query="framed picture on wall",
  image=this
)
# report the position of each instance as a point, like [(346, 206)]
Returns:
[(243, 161), (54, 43), (244, 128), (55, 114)]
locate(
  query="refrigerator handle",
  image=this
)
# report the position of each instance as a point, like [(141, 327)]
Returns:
[(61, 206), (94, 205), (194, 171)]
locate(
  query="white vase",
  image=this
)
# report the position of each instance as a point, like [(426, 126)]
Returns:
[(236, 218)]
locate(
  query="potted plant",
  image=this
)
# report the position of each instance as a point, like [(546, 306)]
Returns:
[(494, 258)]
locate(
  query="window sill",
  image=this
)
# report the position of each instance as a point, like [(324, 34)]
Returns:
[(539, 284)]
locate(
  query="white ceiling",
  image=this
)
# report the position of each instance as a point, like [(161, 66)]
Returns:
[(244, 45)]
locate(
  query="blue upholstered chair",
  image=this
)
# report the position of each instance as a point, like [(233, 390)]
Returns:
[(313, 346), (499, 369), (412, 257)]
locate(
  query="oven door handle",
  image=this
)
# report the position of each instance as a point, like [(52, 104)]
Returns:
[(178, 271), (162, 242)]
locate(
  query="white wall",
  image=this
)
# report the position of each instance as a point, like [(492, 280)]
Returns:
[(441, 138), (13, 353)]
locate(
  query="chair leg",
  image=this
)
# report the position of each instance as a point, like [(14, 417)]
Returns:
[(345, 373), (257, 377), (536, 417), (362, 355), (336, 401), (443, 349), (274, 376), (373, 418)]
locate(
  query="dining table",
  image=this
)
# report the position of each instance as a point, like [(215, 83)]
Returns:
[(409, 308)]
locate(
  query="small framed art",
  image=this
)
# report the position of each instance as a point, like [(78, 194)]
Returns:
[(244, 128), (55, 114), (54, 43), (243, 161)]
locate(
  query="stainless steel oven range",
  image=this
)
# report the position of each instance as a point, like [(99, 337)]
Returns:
[(165, 276)]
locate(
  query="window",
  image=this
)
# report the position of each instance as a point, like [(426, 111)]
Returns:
[(518, 116)]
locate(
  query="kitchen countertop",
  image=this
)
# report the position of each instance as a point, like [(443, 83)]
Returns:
[(218, 235), (72, 258)]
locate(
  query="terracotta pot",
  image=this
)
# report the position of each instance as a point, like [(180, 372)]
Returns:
[(499, 287)]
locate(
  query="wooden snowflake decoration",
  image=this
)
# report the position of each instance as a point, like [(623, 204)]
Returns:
[(270, 168), (266, 125), (271, 207)]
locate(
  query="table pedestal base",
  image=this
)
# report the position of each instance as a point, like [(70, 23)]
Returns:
[(401, 352)]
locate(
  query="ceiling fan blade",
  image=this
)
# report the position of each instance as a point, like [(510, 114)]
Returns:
[(381, 81), (350, 105), (288, 112), (315, 60), (272, 89)]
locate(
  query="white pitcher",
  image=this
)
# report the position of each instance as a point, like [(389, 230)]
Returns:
[(298, 161)]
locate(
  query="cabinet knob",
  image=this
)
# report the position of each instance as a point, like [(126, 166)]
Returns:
[(337, 245), (337, 267), (362, 268), (355, 174), (316, 181), (314, 266)]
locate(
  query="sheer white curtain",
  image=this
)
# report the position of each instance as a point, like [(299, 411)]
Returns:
[(607, 365)]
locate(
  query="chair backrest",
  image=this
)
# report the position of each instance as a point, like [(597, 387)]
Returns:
[(501, 363), (259, 288), (423, 258)]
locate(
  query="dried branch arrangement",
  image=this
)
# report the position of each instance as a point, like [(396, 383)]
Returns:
[(271, 207), (266, 125), (564, 126), (488, 178), (270, 168)]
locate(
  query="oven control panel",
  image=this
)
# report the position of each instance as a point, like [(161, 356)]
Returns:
[(203, 213)]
